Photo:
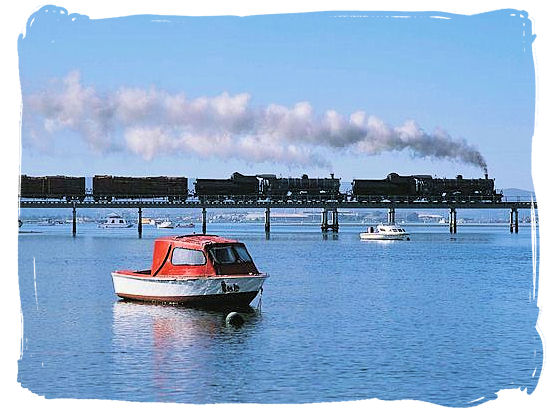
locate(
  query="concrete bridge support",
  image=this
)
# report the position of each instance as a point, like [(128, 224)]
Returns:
[(391, 215), (267, 220), (74, 220), (140, 226), (204, 220), (514, 220), (452, 221), (327, 225)]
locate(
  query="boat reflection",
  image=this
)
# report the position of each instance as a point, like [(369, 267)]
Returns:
[(171, 346)]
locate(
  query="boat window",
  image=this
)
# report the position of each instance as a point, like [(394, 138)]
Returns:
[(184, 256), (231, 254), (242, 254), (224, 255)]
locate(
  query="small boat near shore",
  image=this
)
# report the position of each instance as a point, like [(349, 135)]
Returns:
[(114, 221), (385, 232), (186, 225), (165, 224), (194, 269)]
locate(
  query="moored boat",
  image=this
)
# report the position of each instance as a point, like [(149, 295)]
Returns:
[(165, 224), (186, 225), (385, 232), (114, 221), (194, 269)]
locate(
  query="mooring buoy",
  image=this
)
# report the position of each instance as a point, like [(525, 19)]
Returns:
[(234, 319)]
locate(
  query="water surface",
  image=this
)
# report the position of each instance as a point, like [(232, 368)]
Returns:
[(448, 319)]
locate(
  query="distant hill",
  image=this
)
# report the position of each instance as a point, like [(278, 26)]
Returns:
[(514, 192)]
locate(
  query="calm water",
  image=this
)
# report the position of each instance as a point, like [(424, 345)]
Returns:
[(444, 319)]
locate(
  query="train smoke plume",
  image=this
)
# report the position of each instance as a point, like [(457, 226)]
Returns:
[(151, 122)]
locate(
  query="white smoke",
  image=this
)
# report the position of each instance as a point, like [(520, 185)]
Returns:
[(151, 122)]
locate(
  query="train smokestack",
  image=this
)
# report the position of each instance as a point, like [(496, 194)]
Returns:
[(486, 173)]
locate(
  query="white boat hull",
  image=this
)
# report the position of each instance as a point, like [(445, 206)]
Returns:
[(128, 225), (380, 236), (194, 290)]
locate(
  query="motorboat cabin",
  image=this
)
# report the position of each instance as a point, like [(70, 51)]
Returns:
[(115, 221)]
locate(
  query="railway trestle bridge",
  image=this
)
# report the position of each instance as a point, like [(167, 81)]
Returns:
[(329, 214)]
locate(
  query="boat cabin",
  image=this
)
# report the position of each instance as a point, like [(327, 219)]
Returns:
[(198, 255), (389, 229)]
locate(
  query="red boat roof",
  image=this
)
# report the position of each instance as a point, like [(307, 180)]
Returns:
[(164, 245), (195, 239)]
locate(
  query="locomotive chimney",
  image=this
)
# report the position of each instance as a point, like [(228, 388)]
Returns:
[(332, 175), (486, 173)]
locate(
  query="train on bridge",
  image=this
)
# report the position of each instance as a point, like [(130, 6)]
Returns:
[(262, 187)]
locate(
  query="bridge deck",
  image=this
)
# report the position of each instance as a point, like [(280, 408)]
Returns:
[(508, 204)]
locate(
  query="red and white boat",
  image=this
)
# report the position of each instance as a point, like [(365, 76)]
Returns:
[(194, 269)]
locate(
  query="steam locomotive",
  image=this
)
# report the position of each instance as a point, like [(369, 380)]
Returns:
[(425, 187), (268, 187)]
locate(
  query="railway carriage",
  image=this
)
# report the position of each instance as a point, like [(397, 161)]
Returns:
[(107, 188), (56, 187)]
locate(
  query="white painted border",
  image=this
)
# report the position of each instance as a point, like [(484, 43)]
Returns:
[(15, 16)]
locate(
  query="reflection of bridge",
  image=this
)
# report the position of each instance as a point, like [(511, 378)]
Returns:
[(329, 207)]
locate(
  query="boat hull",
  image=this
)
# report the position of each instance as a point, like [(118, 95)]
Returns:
[(377, 236), (219, 290), (128, 225)]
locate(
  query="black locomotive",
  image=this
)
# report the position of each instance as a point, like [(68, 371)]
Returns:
[(304, 188), (425, 188)]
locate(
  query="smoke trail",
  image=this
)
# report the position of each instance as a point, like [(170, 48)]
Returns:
[(151, 122)]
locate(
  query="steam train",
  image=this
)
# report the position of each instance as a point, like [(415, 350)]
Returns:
[(267, 187)]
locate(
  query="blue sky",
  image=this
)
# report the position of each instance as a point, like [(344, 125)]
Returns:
[(472, 76)]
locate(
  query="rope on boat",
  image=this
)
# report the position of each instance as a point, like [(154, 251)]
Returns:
[(259, 306)]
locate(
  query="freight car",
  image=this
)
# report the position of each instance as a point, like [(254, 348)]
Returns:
[(424, 187), (237, 187), (60, 187), (107, 188), (302, 188)]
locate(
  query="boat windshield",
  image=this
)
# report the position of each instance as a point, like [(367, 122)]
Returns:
[(230, 254)]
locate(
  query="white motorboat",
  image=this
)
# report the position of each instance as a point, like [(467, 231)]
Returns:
[(385, 232), (165, 224), (114, 221)]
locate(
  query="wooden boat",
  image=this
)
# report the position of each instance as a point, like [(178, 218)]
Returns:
[(194, 269)]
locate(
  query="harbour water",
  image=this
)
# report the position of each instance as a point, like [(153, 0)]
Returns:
[(446, 319)]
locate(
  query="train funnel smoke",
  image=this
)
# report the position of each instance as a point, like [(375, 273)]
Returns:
[(151, 123)]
